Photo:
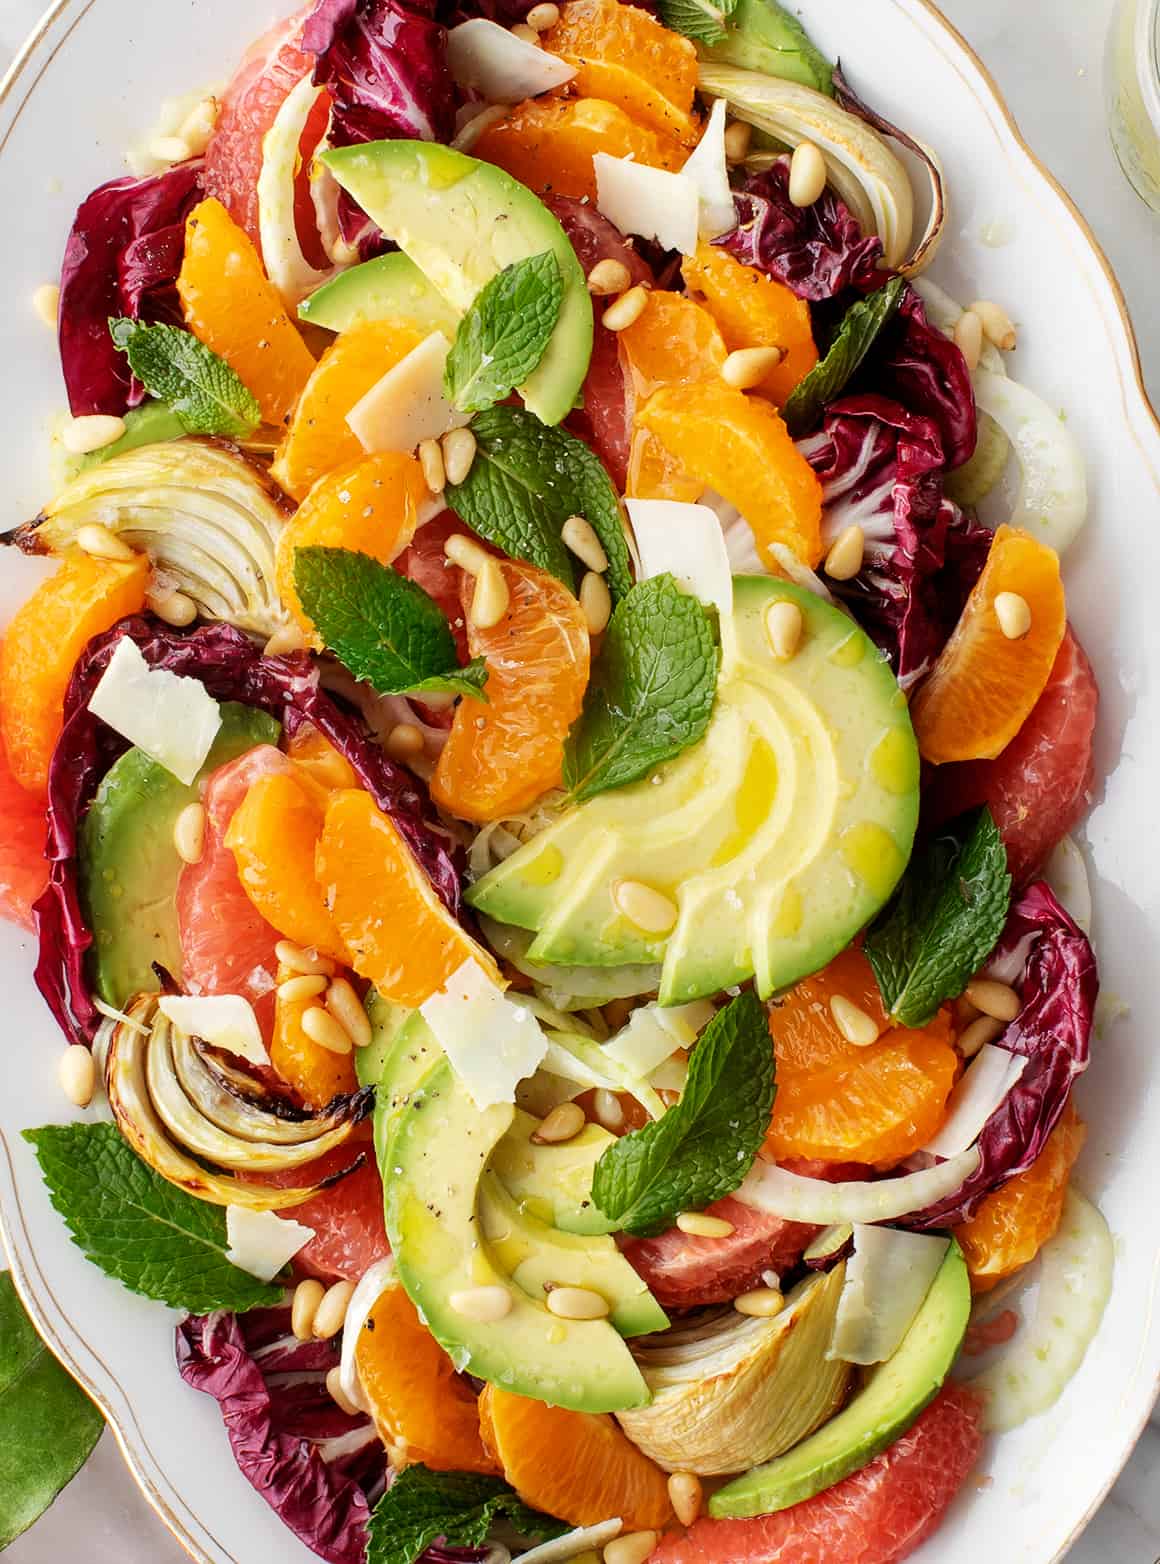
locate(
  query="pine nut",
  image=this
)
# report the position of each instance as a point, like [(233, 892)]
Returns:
[(633, 1548), (189, 833), (698, 1224), (685, 1496), (304, 1306), (807, 174), (579, 535), (608, 276), (198, 125), (169, 149), (298, 959), (543, 16), (997, 1000), (577, 1303), (985, 1030), (650, 910), (998, 327), (98, 541), (627, 309), (466, 553), (294, 990), (46, 303), (77, 1075), (525, 33), (844, 560), (745, 368), (784, 624), (606, 1106), (595, 602), (763, 1303), (458, 454), (491, 599), (431, 461), (337, 1394), (321, 1028), (404, 741), (173, 608), (563, 1123), (285, 641), (331, 1311), (854, 1024), (1014, 615), (738, 135), (350, 1012), (484, 1304), (969, 338)]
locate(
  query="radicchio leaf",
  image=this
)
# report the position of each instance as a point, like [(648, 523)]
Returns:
[(386, 67), (927, 373)]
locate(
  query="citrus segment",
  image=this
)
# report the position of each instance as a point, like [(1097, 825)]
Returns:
[(502, 756), (685, 1272), (755, 311), (47, 635), (984, 685), (317, 764), (347, 1216), (577, 1466), (316, 1073), (23, 868)]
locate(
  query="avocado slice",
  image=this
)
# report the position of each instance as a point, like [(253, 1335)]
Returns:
[(889, 1402), (779, 836), (553, 1183), (387, 1021), (761, 35), (462, 221), (129, 868), (439, 1148), (391, 287)]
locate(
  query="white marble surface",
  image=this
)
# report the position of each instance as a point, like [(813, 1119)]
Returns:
[(1047, 57)]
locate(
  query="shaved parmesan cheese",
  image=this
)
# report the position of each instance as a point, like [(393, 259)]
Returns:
[(372, 1285), (262, 1243), (648, 201), (222, 1020), (493, 1042), (685, 541), (887, 1277), (706, 168), (983, 1087), (407, 405), (173, 719), (585, 1539), (501, 67), (287, 267), (654, 1034)]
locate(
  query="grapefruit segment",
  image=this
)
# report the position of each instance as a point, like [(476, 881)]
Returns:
[(347, 1216), (23, 867), (685, 1272)]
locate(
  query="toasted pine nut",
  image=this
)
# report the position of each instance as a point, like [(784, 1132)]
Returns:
[(349, 1011), (337, 1394), (404, 741), (298, 959), (304, 1306), (997, 1000), (761, 1304), (1014, 615), (198, 125), (595, 602), (98, 541), (294, 990), (985, 1030), (685, 1496), (77, 1075), (189, 833), (322, 1028), (807, 174), (633, 1548), (577, 1303), (169, 149), (579, 535), (458, 454), (331, 1312), (174, 608), (563, 1123), (491, 599), (998, 327), (431, 461), (606, 1106), (527, 34), (738, 135), (608, 276), (783, 629), (650, 910), (46, 303), (844, 560), (854, 1024), (699, 1224), (543, 16), (969, 338), (627, 309), (288, 638), (745, 368), (484, 1304), (466, 553)]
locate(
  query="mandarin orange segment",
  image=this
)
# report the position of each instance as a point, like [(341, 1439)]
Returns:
[(398, 932), (47, 634), (232, 306), (738, 445), (273, 836), (1012, 1225), (425, 1412), (622, 54), (983, 686), (316, 1074), (578, 1466), (319, 438), (654, 473), (500, 757), (548, 144), (755, 311), (673, 342), (317, 764)]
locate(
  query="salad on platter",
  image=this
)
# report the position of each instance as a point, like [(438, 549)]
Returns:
[(542, 776)]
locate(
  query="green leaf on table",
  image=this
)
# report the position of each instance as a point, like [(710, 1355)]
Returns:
[(137, 1227), (651, 692), (503, 336), (48, 1426), (201, 388), (943, 921), (381, 626), (861, 327), (703, 20), (525, 482), (421, 1506), (703, 1147)]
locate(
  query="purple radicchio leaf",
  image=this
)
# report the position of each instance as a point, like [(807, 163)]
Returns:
[(386, 67), (1046, 956), (924, 370), (232, 668)]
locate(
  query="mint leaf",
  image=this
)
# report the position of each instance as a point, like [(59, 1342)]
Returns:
[(943, 921), (381, 626), (198, 386), (703, 20), (422, 1506), (861, 326), (703, 1147), (651, 692), (503, 336), (525, 482), (48, 1426), (137, 1227)]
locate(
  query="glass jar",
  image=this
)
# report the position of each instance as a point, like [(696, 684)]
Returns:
[(1132, 71)]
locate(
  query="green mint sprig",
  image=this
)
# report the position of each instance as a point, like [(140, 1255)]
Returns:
[(421, 1506), (504, 334), (198, 386), (703, 20), (861, 327)]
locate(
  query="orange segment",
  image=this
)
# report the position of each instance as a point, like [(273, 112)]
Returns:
[(501, 757), (317, 764), (1012, 1225), (625, 56), (319, 438), (983, 686), (755, 311), (23, 867), (316, 1074), (398, 932), (424, 1411), (273, 836), (232, 306), (577, 1466), (548, 144), (47, 634), (739, 446)]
